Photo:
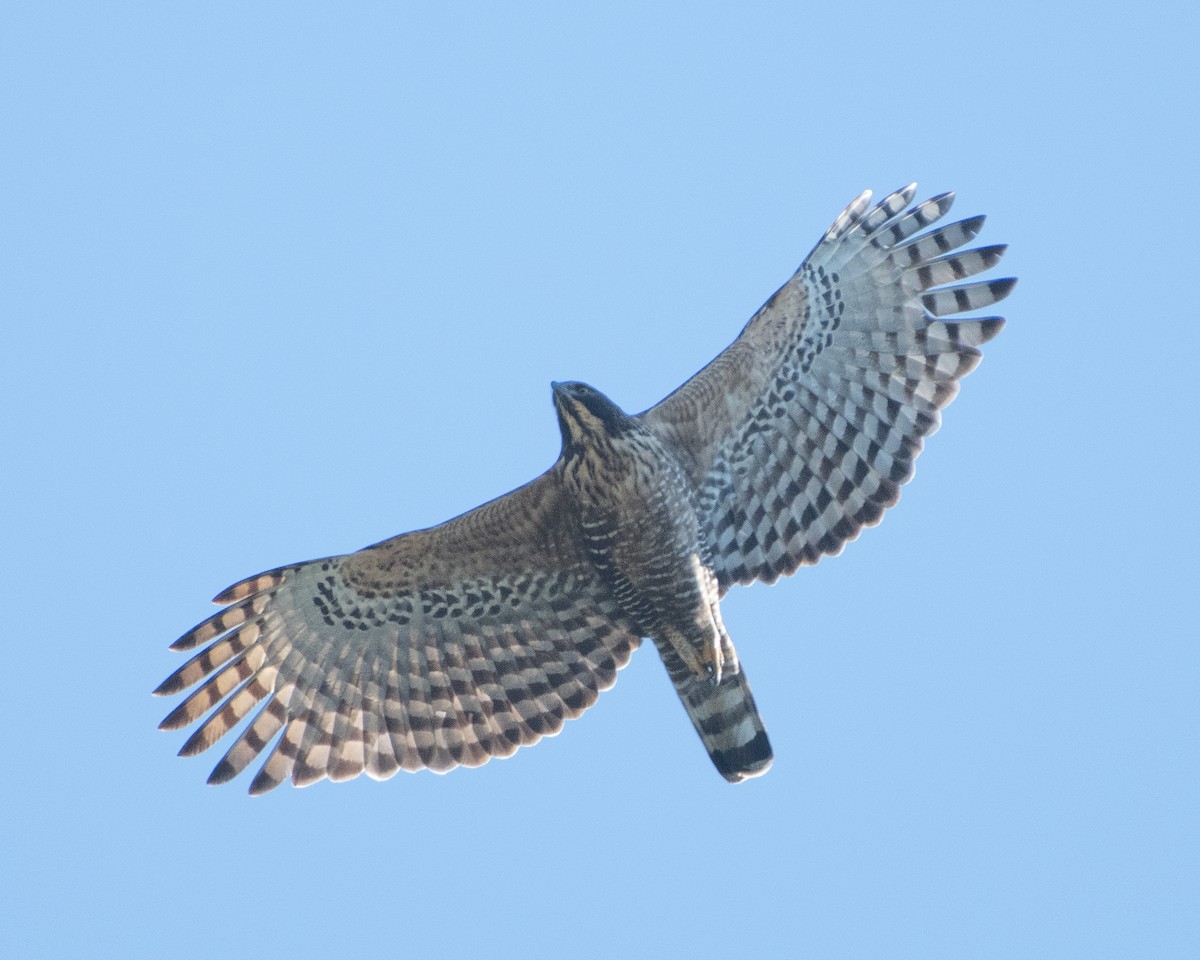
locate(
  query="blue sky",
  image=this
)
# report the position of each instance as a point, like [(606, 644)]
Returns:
[(281, 280)]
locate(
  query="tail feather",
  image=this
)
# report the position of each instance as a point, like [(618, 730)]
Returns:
[(726, 719)]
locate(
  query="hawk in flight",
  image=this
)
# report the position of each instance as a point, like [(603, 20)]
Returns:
[(467, 640)]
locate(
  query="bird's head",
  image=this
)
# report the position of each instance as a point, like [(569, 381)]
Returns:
[(585, 413)]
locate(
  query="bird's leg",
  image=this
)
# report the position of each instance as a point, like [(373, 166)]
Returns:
[(712, 655), (702, 653)]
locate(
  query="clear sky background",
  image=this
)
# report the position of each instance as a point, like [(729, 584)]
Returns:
[(283, 279)]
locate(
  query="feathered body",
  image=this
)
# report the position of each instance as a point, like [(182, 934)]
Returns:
[(641, 528), (465, 641)]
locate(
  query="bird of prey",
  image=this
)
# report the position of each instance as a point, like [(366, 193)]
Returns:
[(467, 640)]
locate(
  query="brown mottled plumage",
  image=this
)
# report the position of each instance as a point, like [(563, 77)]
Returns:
[(465, 641)]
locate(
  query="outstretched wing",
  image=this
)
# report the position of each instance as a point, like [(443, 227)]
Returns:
[(802, 431), (440, 647)]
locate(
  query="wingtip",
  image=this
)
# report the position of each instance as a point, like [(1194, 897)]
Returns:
[(250, 586), (850, 216), (183, 643), (989, 327), (1003, 287), (223, 772), (262, 783), (176, 719), (197, 743), (943, 202)]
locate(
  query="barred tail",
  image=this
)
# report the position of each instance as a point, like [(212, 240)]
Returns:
[(726, 719)]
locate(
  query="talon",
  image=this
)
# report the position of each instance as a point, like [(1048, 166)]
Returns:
[(711, 658)]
